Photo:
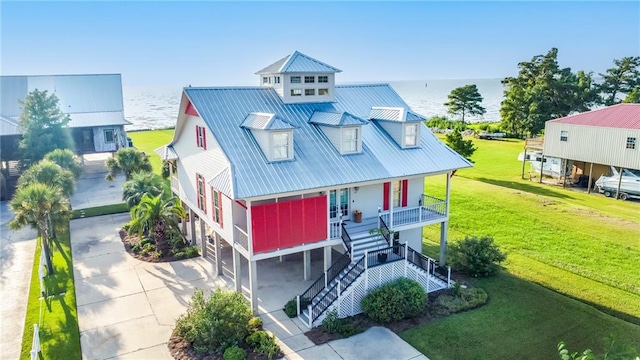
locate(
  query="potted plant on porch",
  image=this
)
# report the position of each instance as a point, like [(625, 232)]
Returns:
[(357, 216)]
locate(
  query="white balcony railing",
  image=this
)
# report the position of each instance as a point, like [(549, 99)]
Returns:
[(175, 184), (431, 209), (241, 238), (335, 232)]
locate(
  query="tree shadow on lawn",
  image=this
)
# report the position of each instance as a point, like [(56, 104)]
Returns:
[(532, 189)]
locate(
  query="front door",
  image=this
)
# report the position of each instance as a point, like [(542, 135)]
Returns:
[(339, 204)]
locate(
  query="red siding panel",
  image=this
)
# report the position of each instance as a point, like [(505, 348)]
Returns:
[(405, 192), (289, 223), (385, 195), (191, 110), (204, 138), (219, 204)]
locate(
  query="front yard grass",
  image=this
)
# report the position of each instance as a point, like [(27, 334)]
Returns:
[(57, 315), (521, 321), (100, 210), (150, 140)]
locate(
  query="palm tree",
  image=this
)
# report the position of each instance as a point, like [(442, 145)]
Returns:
[(156, 215), (141, 183), (48, 172), (127, 161), (39, 206), (66, 159)]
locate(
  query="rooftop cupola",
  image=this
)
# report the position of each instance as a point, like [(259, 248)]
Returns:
[(298, 78)]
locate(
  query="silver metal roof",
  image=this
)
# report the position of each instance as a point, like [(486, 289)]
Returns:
[(264, 121), (298, 63), (166, 152), (336, 119), (90, 100), (397, 114), (222, 181), (9, 126), (316, 164)]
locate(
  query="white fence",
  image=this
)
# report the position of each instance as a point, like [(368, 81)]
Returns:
[(35, 344)]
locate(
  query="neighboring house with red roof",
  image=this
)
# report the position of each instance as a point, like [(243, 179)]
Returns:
[(596, 140)]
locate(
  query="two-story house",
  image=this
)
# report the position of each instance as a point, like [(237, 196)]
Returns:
[(299, 163)]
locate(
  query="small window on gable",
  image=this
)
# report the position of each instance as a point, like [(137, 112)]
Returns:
[(265, 79), (323, 79), (309, 79), (202, 193), (276, 80), (296, 92), (631, 143), (281, 146), (295, 79), (411, 135), (350, 140), (109, 136), (309, 92), (323, 92), (201, 137), (564, 135)]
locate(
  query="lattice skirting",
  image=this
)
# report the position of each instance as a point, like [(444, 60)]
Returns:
[(348, 303)]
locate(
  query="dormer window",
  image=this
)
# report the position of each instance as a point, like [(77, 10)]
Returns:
[(280, 145), (295, 79), (411, 135), (273, 134), (351, 140), (265, 79)]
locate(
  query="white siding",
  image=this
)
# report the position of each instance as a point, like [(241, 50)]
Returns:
[(265, 140), (394, 129), (592, 144), (366, 199), (413, 237), (226, 231), (334, 134)]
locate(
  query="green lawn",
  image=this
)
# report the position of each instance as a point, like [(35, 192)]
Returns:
[(584, 246), (520, 321), (148, 141), (57, 315), (100, 210)]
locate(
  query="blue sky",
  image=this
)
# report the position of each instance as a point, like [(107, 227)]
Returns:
[(220, 43)]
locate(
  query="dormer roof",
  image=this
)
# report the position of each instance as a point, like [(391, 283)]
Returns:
[(397, 114), (265, 121), (298, 63), (336, 119)]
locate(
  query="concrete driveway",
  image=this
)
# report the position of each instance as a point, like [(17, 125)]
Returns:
[(127, 308)]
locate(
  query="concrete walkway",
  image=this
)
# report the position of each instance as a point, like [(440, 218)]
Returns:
[(16, 261)]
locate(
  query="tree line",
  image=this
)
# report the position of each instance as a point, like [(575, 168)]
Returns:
[(543, 91)]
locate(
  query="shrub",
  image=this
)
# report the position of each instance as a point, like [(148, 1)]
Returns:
[(263, 343), (146, 249), (465, 300), (291, 308), (175, 239), (395, 301), (191, 251), (215, 323), (255, 323), (345, 327), (476, 256), (234, 353)]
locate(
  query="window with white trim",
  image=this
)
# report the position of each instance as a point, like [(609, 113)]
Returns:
[(202, 193), (309, 92), (350, 139), (276, 79), (564, 135), (631, 143), (295, 80), (411, 135), (201, 140), (109, 136), (323, 79), (338, 207), (309, 79), (296, 92), (217, 206), (323, 92), (280, 141), (397, 193), (265, 79)]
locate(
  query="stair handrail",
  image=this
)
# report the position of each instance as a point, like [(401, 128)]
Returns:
[(346, 239), (386, 233), (324, 279), (336, 289)]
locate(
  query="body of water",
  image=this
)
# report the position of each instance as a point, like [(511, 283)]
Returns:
[(157, 107)]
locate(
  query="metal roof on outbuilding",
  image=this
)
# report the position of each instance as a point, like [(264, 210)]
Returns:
[(623, 116), (298, 63), (316, 164)]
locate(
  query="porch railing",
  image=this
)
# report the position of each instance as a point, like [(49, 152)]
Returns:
[(434, 204), (175, 184), (385, 231), (335, 230), (386, 255), (323, 281), (241, 238), (430, 208), (346, 239), (429, 265)]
